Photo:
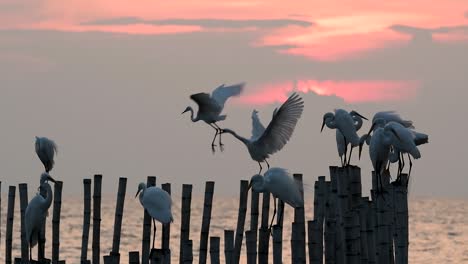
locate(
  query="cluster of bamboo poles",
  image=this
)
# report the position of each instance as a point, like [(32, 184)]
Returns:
[(347, 228)]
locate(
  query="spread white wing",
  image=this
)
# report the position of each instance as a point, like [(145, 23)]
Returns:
[(222, 93), (257, 127)]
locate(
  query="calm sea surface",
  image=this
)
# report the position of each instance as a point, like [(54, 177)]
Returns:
[(438, 228)]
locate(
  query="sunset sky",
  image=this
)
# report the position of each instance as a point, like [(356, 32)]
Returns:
[(108, 80)]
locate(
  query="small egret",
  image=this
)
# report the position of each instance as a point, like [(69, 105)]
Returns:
[(266, 141), (281, 185), (389, 116), (157, 203), (210, 107), (346, 125), (45, 150), (37, 211)]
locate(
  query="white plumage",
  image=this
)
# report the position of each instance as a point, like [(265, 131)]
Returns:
[(45, 150)]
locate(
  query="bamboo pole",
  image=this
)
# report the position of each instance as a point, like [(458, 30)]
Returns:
[(185, 223), (264, 234), (96, 245), (205, 228), (251, 243), (364, 229), (330, 224), (228, 245), (157, 256), (240, 220), (353, 174), (166, 231), (371, 232), (23, 192), (188, 253), (254, 212), (214, 250), (320, 200), (401, 241), (86, 220), (315, 239), (340, 201), (299, 251), (118, 218), (134, 257), (383, 231), (146, 237), (277, 244), (56, 222), (9, 227)]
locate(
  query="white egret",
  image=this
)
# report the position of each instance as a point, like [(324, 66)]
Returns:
[(37, 211), (210, 107), (347, 124), (266, 141), (281, 185), (45, 150), (389, 116), (157, 203)]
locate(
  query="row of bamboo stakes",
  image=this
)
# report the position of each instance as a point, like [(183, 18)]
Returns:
[(347, 228)]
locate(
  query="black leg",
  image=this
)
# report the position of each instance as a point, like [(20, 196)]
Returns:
[(345, 151), (410, 167), (259, 164), (221, 145), (214, 139), (268, 165), (341, 158), (154, 231), (274, 213), (350, 152), (30, 253)]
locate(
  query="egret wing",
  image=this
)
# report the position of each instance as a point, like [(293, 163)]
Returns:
[(257, 127), (420, 138), (158, 204), (222, 93), (282, 185), (390, 116), (281, 127), (45, 150), (205, 103)]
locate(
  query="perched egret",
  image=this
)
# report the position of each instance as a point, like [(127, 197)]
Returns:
[(37, 211), (266, 141), (346, 125), (210, 107), (45, 150), (389, 116), (157, 203), (281, 185)]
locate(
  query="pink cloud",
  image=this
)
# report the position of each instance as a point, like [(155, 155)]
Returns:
[(349, 91)]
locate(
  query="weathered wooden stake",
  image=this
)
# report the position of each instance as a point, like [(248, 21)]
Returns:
[(315, 237), (330, 224), (56, 222), (188, 252), (86, 220), (134, 257), (23, 192), (228, 245), (9, 227), (383, 230), (147, 221), (96, 246), (115, 254), (371, 232), (277, 244), (264, 233), (185, 223), (214, 250), (254, 203), (205, 228), (320, 200), (401, 208), (244, 186), (250, 239), (298, 231), (166, 232)]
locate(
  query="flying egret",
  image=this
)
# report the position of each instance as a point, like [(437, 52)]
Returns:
[(157, 203), (266, 141), (45, 150), (210, 107), (281, 185), (347, 124), (37, 211)]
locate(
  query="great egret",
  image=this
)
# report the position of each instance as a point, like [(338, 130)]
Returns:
[(45, 150), (266, 141), (281, 185), (347, 124), (36, 212), (389, 116), (210, 107), (157, 203)]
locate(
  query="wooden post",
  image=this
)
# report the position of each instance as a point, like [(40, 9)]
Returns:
[(147, 221), (251, 243), (86, 220), (166, 231), (401, 239), (188, 253), (185, 223), (214, 250), (363, 212), (96, 246), (228, 245), (315, 239), (9, 227), (320, 200), (330, 224), (134, 257), (254, 210), (340, 203), (383, 231), (205, 228), (56, 222), (353, 235), (23, 192), (157, 256), (264, 233), (298, 232), (118, 218), (371, 232), (277, 244), (240, 220)]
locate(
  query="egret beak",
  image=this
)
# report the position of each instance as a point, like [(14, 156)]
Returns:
[(371, 129), (323, 125), (184, 111), (361, 116), (137, 193), (50, 179), (360, 149), (250, 186)]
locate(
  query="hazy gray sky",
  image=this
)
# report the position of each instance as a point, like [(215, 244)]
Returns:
[(112, 101)]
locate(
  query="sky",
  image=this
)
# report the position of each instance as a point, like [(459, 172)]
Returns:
[(107, 80)]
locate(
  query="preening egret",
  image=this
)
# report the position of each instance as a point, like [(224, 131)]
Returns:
[(266, 141), (36, 212), (389, 116), (157, 203), (281, 185), (346, 125), (45, 150), (210, 107)]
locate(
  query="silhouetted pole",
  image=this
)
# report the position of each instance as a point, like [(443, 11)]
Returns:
[(56, 222), (320, 200), (401, 225), (371, 232), (97, 218), (23, 192), (214, 250), (298, 227), (86, 220), (166, 231), (134, 257), (277, 244), (205, 228), (314, 235), (251, 244), (240, 220), (42, 236), (330, 224), (341, 204), (115, 254), (146, 237), (185, 223), (364, 229), (188, 252), (9, 227), (228, 245), (264, 233), (383, 229), (254, 211)]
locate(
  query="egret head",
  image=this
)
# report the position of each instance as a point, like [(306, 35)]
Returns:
[(257, 183), (141, 187), (365, 138), (326, 118), (379, 122), (354, 113), (46, 177), (187, 109)]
